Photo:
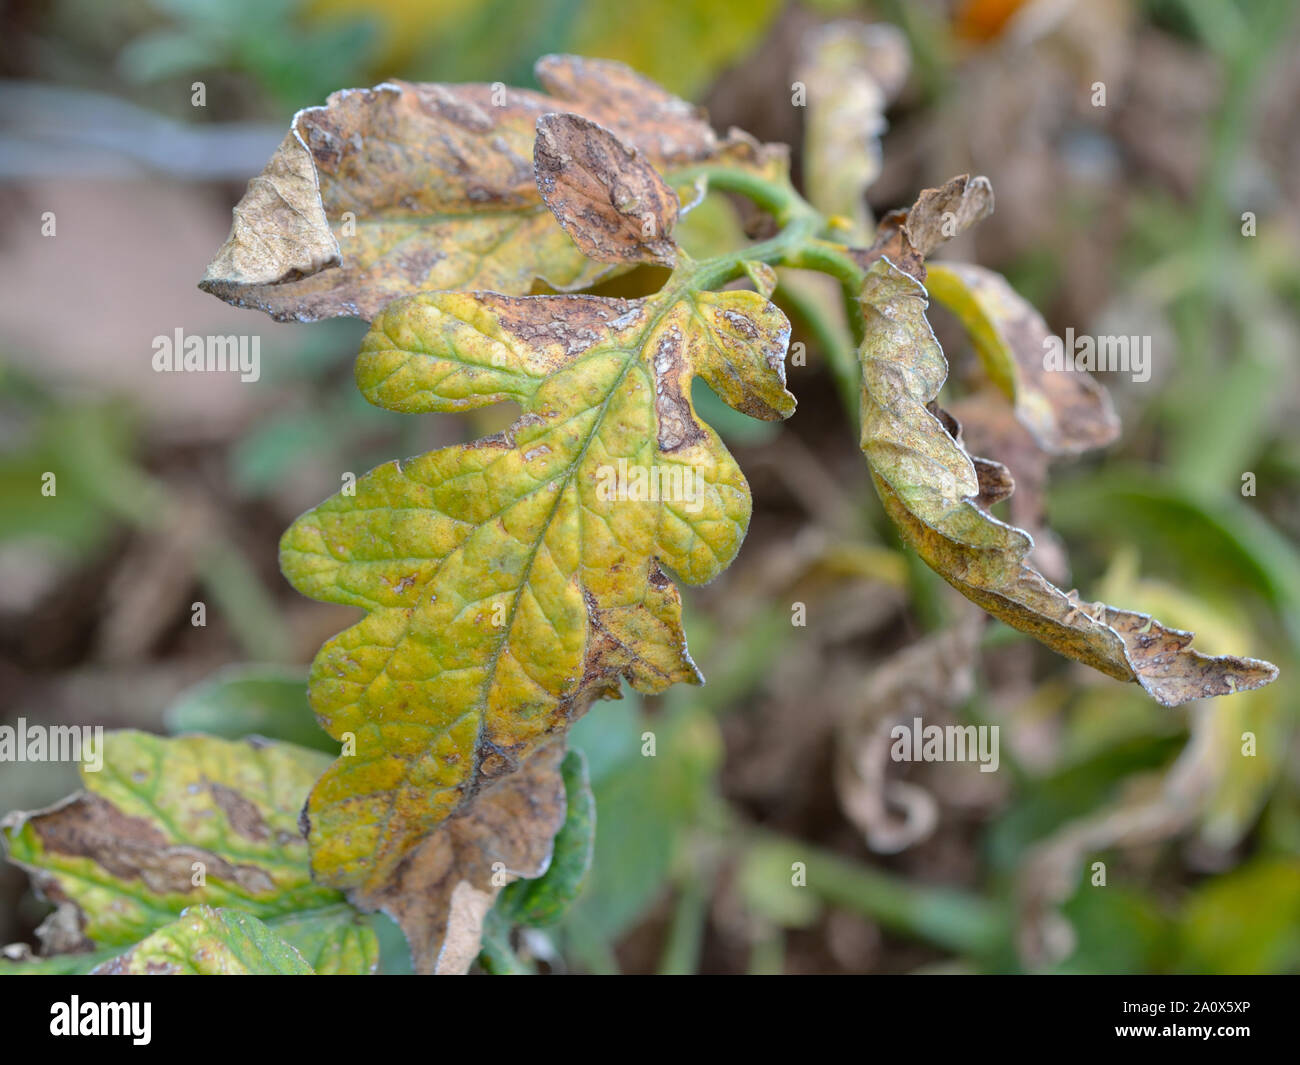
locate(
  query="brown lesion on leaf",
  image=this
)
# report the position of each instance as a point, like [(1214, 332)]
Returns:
[(666, 126), (130, 848), (604, 192), (243, 815), (493, 762), (457, 106), (508, 829), (657, 578), (744, 325), (122, 966), (557, 328), (673, 413), (416, 264)]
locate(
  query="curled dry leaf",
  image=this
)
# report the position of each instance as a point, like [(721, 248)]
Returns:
[(419, 187), (1066, 412), (604, 193), (927, 680), (442, 890), (512, 580), (906, 237), (851, 71), (989, 426), (175, 823), (929, 485)]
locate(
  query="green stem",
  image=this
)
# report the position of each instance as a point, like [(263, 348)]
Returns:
[(835, 260), (830, 258), (686, 935), (780, 198), (798, 245), (709, 273)]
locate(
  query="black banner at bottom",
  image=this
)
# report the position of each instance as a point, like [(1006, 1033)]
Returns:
[(933, 1014)]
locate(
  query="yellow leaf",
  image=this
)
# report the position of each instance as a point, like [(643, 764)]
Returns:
[(512, 580)]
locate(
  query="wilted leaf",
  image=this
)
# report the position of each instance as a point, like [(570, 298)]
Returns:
[(1241, 774), (172, 823), (1066, 412), (512, 580), (209, 942), (990, 427), (604, 193), (388, 191), (441, 892), (906, 237), (929, 486), (543, 901), (851, 71)]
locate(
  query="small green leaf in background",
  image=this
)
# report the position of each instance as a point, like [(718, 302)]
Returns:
[(645, 804), (241, 701)]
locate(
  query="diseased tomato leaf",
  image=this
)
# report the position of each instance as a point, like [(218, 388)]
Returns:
[(169, 824), (441, 892), (513, 580), (931, 489), (406, 187), (604, 193)]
